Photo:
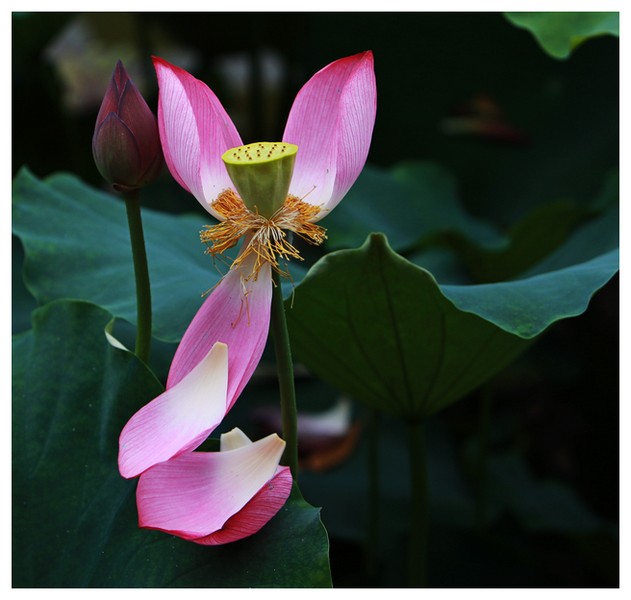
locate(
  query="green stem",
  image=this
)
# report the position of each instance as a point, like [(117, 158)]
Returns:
[(141, 272), (420, 505), (481, 459), (372, 539), (285, 370)]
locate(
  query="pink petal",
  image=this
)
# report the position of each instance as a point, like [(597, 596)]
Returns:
[(195, 131), (256, 513), (237, 313), (331, 122), (195, 495), (178, 420), (235, 438)]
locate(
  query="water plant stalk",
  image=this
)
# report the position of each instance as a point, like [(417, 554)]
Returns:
[(419, 505), (285, 369), (141, 273)]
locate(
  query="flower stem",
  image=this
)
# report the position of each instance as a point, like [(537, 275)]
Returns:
[(141, 272), (419, 505), (481, 459), (372, 538), (285, 370)]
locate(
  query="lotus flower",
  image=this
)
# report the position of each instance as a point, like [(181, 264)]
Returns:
[(277, 187), (257, 192)]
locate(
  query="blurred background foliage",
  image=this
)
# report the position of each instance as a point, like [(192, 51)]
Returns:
[(505, 127)]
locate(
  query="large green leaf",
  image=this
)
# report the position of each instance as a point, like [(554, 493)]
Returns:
[(525, 307), (547, 230), (415, 204), (406, 203), (380, 328), (531, 239), (76, 242), (22, 303), (74, 517), (559, 33), (489, 256)]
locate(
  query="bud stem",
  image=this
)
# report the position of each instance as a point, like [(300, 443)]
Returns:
[(285, 369), (419, 505), (141, 272)]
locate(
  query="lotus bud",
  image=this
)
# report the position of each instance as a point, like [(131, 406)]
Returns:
[(126, 143)]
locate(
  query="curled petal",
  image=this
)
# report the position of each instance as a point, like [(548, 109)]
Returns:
[(196, 495), (195, 131), (178, 420), (331, 122), (233, 439), (236, 313), (256, 513)]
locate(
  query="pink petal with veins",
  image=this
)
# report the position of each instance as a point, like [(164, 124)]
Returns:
[(199, 494), (256, 513), (178, 420), (195, 131), (237, 313), (331, 122)]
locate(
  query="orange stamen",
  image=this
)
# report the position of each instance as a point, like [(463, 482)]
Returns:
[(268, 240)]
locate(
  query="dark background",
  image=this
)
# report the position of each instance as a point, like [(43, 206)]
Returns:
[(556, 408)]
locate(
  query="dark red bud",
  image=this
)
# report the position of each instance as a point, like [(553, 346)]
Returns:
[(126, 144)]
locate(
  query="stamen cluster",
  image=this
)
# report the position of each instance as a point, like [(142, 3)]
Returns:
[(266, 238)]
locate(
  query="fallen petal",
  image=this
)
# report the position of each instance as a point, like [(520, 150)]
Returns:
[(256, 513), (233, 439), (194, 495), (178, 420)]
